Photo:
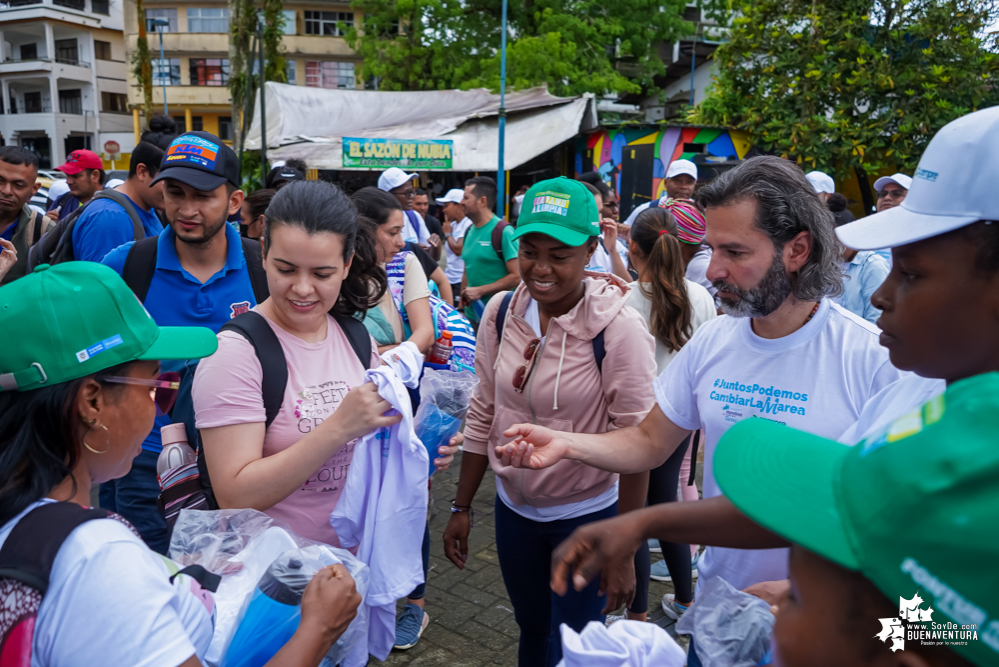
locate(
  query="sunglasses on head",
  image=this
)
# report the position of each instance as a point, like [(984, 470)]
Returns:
[(163, 390)]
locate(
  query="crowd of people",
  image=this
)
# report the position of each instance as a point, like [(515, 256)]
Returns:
[(834, 375)]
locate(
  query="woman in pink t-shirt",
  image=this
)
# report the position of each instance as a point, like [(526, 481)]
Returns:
[(317, 262)]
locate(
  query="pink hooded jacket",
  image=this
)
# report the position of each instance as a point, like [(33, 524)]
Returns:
[(566, 391)]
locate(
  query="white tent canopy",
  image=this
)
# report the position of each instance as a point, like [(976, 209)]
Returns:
[(309, 123)]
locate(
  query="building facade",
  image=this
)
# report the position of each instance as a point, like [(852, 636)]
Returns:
[(63, 82), (195, 66)]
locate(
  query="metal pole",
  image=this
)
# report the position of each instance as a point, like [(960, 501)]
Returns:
[(263, 103), (501, 170), (693, 61), (163, 63)]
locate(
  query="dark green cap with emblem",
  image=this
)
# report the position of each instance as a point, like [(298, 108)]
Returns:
[(915, 508), (77, 318), (560, 208)]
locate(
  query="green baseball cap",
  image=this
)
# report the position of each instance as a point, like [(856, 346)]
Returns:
[(560, 208), (913, 509), (69, 321)]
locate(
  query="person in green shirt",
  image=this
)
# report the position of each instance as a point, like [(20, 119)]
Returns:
[(485, 273)]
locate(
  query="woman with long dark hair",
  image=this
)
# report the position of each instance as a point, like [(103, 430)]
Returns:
[(319, 265), (663, 239), (77, 398)]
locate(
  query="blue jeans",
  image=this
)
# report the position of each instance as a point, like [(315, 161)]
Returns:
[(525, 554), (692, 659), (134, 497), (421, 590)]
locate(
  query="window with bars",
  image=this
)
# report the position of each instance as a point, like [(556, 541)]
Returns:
[(71, 101), (208, 19), (66, 51), (114, 102), (100, 7), (329, 74), (102, 50), (289, 72), (209, 71), (225, 128), (166, 72), (168, 15), (327, 23), (29, 52)]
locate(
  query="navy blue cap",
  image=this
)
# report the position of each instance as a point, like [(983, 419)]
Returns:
[(201, 160)]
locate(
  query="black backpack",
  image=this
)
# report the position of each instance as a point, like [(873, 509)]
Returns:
[(56, 245), (254, 328), (599, 351)]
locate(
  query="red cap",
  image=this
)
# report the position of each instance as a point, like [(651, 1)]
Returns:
[(79, 160)]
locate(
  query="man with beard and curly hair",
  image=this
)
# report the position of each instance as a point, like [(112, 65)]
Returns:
[(786, 353)]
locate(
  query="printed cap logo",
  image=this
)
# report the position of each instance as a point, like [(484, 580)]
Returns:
[(193, 150), (551, 202), (926, 174)]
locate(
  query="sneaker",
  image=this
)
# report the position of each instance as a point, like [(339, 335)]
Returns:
[(654, 546), (614, 618), (409, 626), (659, 571), (671, 608)]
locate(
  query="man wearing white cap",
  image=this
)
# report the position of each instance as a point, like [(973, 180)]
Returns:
[(456, 223), (822, 183), (681, 179), (892, 190), (400, 184)]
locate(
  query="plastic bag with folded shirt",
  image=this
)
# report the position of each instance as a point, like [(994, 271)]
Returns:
[(444, 400), (247, 548), (731, 628), (623, 644)]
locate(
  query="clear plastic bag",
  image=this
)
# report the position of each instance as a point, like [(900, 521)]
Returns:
[(241, 546), (444, 400), (731, 628)]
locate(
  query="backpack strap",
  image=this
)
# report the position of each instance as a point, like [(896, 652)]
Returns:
[(32, 546), (599, 350), (501, 315), (140, 265), (207, 580), (36, 227), (118, 198), (497, 238), (253, 254), (358, 337), (254, 328)]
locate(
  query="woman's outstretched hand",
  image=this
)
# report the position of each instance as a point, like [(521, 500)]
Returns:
[(533, 447)]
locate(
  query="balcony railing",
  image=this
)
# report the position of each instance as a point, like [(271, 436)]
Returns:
[(20, 3), (72, 4), (72, 61), (43, 108)]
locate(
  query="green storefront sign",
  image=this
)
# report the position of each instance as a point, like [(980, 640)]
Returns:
[(407, 153)]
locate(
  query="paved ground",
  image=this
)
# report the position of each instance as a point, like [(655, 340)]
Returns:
[(471, 617)]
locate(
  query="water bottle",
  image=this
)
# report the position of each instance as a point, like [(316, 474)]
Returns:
[(272, 616), (176, 452), (440, 353)]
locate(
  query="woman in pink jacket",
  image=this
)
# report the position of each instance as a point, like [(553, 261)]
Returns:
[(566, 351)]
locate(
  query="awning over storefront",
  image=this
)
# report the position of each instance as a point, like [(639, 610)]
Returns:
[(310, 123)]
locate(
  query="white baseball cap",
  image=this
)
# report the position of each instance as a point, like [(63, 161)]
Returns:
[(453, 196), (393, 178), (58, 188), (953, 186), (677, 167), (113, 183), (898, 179), (821, 181)]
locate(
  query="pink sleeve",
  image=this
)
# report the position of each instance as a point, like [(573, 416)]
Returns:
[(376, 359), (227, 385)]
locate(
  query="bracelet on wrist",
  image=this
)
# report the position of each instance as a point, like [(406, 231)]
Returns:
[(460, 509)]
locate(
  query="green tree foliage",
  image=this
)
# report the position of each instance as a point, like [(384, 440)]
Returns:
[(142, 66), (244, 52), (574, 46), (853, 84)]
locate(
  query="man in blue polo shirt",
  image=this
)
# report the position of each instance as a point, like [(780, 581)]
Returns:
[(201, 278), (104, 224)]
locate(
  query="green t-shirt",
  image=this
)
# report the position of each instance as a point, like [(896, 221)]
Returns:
[(482, 264)]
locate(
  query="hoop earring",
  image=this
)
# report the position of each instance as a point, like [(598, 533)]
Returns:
[(107, 435)]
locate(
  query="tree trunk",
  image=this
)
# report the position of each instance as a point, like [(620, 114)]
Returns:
[(145, 65), (237, 64)]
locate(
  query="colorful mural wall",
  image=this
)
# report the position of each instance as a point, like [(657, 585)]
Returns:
[(603, 149)]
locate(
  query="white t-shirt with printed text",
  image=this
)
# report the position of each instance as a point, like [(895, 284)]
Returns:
[(817, 379)]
